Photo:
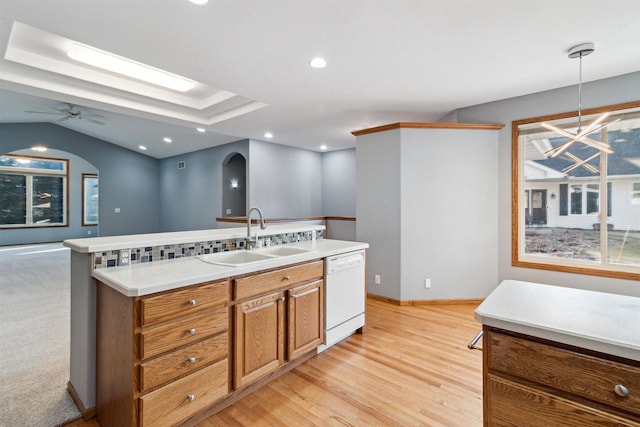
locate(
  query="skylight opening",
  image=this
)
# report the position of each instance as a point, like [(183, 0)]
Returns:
[(129, 68)]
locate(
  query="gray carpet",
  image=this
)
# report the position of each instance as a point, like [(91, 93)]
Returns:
[(34, 336)]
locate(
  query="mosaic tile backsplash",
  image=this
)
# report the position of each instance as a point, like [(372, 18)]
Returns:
[(159, 253)]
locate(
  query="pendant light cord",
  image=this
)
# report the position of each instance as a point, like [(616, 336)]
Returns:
[(580, 97)]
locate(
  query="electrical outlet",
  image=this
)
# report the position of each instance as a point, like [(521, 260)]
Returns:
[(228, 212), (427, 283), (377, 279), (124, 256)]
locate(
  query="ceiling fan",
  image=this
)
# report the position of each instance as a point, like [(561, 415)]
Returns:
[(71, 111)]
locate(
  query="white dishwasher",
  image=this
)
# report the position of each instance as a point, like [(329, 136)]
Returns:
[(344, 296)]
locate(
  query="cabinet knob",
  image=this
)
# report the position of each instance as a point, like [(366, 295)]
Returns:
[(287, 277), (192, 302), (281, 298), (621, 390), (192, 331), (191, 359), (191, 397)]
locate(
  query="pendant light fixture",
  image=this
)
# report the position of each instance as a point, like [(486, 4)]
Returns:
[(580, 135)]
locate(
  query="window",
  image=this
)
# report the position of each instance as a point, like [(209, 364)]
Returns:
[(570, 230), (89, 199), (33, 192)]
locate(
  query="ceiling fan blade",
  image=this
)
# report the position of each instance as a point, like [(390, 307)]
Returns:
[(97, 116), (94, 121), (64, 119), (42, 112)]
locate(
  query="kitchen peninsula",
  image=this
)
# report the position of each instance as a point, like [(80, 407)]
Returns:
[(174, 316), (560, 356)]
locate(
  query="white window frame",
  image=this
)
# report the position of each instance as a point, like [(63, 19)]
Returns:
[(634, 197)]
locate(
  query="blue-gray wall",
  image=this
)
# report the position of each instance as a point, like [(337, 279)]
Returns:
[(616, 90), (128, 180), (282, 181), (154, 195), (285, 181), (339, 183), (191, 198)]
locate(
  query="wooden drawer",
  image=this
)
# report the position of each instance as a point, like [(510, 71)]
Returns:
[(566, 370), (169, 405), (262, 283), (514, 404), (183, 361), (157, 340), (182, 303)]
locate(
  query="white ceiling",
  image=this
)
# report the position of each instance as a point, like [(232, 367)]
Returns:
[(388, 61)]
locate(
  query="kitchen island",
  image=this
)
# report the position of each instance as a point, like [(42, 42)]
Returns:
[(157, 267), (560, 356)]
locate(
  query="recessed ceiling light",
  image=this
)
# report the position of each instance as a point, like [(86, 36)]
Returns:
[(142, 147), (167, 140), (323, 147), (201, 130), (128, 67), (39, 148), (268, 135), (318, 63), (199, 2)]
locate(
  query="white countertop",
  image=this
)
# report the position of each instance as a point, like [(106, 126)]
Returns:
[(598, 321), (147, 278), (111, 243)]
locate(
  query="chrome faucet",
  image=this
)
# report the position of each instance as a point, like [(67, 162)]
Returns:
[(250, 242)]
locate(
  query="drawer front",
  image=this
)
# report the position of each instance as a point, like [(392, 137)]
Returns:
[(171, 404), (513, 404), (181, 303), (266, 282), (580, 374), (183, 361), (155, 341)]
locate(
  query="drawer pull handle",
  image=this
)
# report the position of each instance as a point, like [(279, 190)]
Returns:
[(192, 331), (192, 302), (191, 397), (621, 390), (191, 359), (287, 277)]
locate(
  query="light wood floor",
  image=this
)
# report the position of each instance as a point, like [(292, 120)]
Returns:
[(411, 368)]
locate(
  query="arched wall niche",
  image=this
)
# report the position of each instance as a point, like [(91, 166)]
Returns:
[(234, 185)]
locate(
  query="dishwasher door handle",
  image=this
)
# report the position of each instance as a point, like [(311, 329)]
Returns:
[(474, 341)]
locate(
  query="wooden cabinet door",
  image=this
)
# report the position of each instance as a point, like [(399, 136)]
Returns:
[(305, 318), (259, 337)]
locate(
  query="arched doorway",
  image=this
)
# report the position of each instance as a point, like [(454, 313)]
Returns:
[(234, 185)]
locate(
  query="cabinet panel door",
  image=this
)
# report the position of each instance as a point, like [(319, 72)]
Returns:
[(306, 323), (259, 337)]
